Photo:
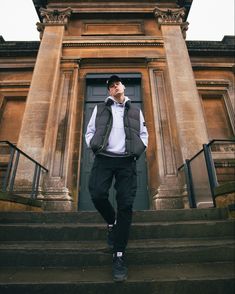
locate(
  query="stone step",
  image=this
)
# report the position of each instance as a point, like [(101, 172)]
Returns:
[(85, 253), (193, 278), (94, 217), (88, 231)]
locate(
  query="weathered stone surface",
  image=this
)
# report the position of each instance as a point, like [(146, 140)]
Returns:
[(54, 82)]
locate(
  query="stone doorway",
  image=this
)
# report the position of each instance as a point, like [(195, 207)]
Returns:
[(96, 92)]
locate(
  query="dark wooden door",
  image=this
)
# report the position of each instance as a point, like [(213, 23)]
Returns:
[(97, 92)]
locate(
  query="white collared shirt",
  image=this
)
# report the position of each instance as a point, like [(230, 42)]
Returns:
[(116, 141)]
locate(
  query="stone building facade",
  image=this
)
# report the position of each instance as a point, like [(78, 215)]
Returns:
[(48, 88)]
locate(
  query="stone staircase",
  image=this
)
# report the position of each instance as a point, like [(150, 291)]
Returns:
[(170, 252)]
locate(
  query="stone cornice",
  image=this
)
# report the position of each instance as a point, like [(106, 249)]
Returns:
[(114, 6), (113, 43), (213, 66), (195, 48), (94, 6), (122, 61), (14, 84), (212, 83), (17, 64)]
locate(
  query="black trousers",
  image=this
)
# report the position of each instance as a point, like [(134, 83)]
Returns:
[(123, 169)]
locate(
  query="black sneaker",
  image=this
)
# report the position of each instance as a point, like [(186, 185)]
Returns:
[(119, 268), (110, 235)]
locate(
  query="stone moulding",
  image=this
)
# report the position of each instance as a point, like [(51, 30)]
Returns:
[(118, 8), (113, 44), (14, 84), (219, 66), (111, 27), (213, 83), (122, 61)]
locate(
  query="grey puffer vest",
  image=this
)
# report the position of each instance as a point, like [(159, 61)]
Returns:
[(104, 121)]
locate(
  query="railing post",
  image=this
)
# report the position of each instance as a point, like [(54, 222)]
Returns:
[(189, 182), (35, 183), (211, 170), (11, 171), (13, 175), (8, 171)]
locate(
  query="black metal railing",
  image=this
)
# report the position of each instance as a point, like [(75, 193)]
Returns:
[(201, 171), (9, 162)]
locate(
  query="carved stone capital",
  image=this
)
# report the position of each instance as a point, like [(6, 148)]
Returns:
[(184, 28), (55, 17), (40, 28), (169, 16)]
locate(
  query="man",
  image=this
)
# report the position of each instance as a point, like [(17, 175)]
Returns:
[(117, 135)]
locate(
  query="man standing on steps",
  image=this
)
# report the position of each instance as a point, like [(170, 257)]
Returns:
[(117, 135)]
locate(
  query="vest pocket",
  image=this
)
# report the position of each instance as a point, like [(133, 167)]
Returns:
[(138, 146)]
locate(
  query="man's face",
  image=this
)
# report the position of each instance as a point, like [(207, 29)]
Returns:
[(116, 89)]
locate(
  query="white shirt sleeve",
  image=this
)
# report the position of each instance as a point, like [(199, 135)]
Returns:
[(91, 127), (143, 130)]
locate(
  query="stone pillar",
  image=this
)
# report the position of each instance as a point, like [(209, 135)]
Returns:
[(32, 138), (59, 141), (189, 116), (189, 126)]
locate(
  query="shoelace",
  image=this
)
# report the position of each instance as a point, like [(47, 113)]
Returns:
[(118, 261)]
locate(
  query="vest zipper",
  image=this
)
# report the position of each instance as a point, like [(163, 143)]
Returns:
[(107, 134), (129, 130)]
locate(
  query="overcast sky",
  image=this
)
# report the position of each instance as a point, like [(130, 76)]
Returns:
[(209, 20)]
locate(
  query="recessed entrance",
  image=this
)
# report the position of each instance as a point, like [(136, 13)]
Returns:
[(96, 92)]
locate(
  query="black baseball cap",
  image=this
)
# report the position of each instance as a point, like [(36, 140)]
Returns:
[(113, 79)]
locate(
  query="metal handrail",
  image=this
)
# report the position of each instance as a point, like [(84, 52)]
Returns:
[(201, 150), (220, 140), (210, 166), (11, 170), (23, 153)]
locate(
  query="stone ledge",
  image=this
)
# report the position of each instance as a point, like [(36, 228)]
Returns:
[(226, 188)]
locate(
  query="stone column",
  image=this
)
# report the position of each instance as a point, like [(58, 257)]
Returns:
[(42, 91), (189, 126), (59, 142), (189, 116)]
